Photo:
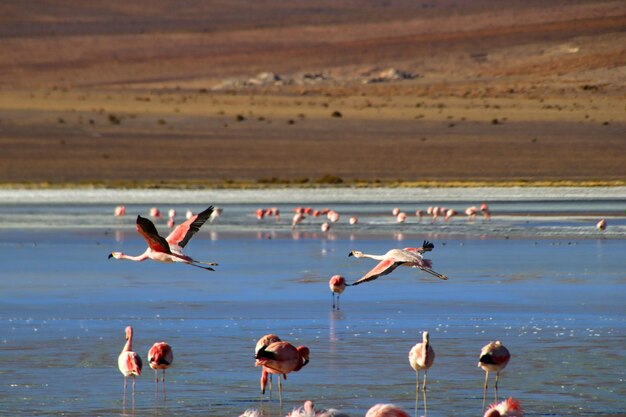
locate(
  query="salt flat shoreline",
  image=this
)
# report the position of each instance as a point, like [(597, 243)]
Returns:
[(307, 195)]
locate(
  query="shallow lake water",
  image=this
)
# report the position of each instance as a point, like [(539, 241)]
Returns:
[(538, 276)]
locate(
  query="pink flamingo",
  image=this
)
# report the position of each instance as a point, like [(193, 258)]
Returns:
[(419, 214), (421, 357), (386, 410), (251, 412), (188, 214), (260, 213), (171, 213), (450, 213), (129, 362), (297, 219), (333, 216), (484, 208), (217, 212), (401, 217), (470, 212), (119, 211), (507, 408), (493, 358), (395, 211), (168, 249), (160, 356), (266, 373), (353, 220), (325, 227), (155, 213), (308, 410), (283, 358), (337, 285), (171, 222), (394, 258), (601, 225)]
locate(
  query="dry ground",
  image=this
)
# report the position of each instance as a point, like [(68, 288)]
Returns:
[(123, 92)]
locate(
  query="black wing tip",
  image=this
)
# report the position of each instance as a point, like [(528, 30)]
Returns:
[(428, 245), (262, 353)]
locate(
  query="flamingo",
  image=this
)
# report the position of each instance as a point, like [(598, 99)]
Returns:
[(421, 357), (395, 257), (155, 213), (171, 213), (266, 373), (119, 211), (251, 412), (283, 358), (493, 357), (601, 225), (297, 218), (217, 212), (129, 362), (333, 216), (308, 410), (450, 213), (160, 356), (507, 408), (168, 249), (337, 285), (470, 212), (485, 210), (353, 220), (401, 217), (188, 214), (386, 410), (395, 211), (419, 214), (325, 227)]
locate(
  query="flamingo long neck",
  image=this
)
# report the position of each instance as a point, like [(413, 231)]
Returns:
[(376, 257), (137, 258), (128, 347)]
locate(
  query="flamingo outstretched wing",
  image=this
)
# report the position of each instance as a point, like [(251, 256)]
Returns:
[(383, 268), (149, 232), (185, 231)]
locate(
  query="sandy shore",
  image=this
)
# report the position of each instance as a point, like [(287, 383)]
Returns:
[(525, 94)]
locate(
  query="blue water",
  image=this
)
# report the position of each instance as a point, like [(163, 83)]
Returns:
[(538, 276)]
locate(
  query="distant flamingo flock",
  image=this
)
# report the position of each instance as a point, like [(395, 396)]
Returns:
[(278, 357)]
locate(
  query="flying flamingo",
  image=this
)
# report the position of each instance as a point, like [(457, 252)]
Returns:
[(129, 362), (421, 357), (308, 410), (337, 285), (169, 249), (266, 373), (160, 356), (493, 357), (507, 408), (282, 357), (386, 410), (394, 258)]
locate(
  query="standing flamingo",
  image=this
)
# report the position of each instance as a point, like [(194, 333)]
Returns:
[(169, 249), (401, 217), (353, 220), (129, 362), (493, 357), (507, 408), (386, 410), (337, 285), (421, 357), (283, 358), (119, 211), (485, 210), (395, 211), (160, 356), (325, 227), (395, 257), (266, 373)]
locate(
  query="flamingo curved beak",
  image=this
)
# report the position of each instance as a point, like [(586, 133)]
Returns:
[(350, 254), (110, 255)]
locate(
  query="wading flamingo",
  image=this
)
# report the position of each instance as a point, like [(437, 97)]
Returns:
[(325, 227), (401, 217), (119, 211), (160, 356), (394, 258), (266, 373), (168, 249), (507, 408), (386, 410), (337, 285), (493, 358), (353, 220), (308, 410), (129, 362), (421, 357), (283, 358), (485, 210)]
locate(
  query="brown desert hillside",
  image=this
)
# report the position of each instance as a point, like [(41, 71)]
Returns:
[(208, 92)]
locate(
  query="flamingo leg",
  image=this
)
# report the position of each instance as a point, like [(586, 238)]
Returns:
[(424, 392), (337, 301), (417, 391), (134, 380), (496, 386), (332, 294), (125, 381), (485, 390), (270, 378), (163, 384), (280, 391)]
